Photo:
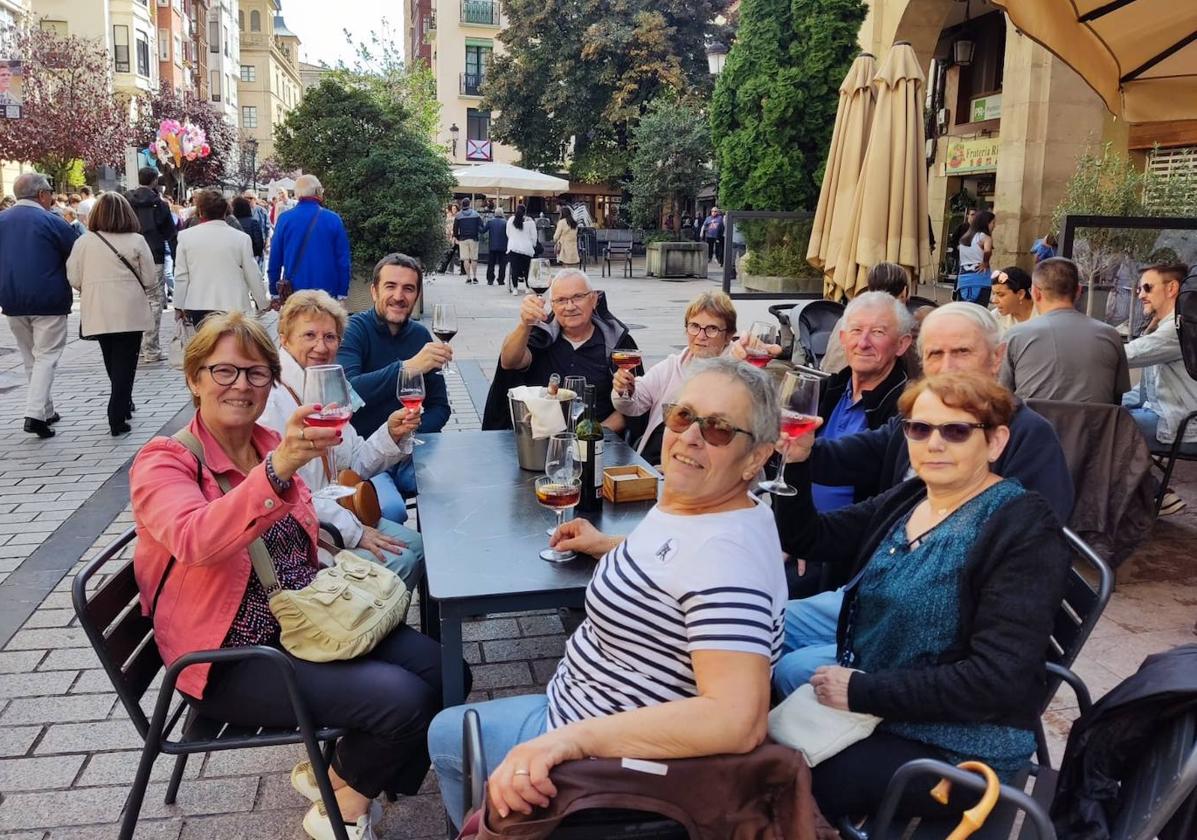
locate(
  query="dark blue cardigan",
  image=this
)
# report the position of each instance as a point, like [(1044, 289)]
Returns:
[(34, 246)]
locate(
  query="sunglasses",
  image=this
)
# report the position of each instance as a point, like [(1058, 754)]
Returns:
[(714, 430), (917, 430)]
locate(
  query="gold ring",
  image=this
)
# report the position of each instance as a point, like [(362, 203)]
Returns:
[(312, 444), (521, 773), (303, 433)]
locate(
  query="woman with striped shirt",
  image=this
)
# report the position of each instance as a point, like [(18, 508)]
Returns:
[(683, 616)]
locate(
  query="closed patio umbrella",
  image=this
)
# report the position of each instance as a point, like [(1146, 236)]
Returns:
[(888, 220), (1139, 55), (849, 137)]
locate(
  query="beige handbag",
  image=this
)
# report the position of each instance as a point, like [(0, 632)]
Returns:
[(348, 609), (802, 723)]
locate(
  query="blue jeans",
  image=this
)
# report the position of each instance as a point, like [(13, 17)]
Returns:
[(390, 500), (409, 562), (1148, 422), (809, 639), (505, 723)]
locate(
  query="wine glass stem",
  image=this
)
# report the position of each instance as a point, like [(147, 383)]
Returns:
[(781, 469), (560, 520)]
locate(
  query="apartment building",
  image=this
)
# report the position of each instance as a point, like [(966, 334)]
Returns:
[(12, 15), (269, 77), (197, 14), (125, 27), (224, 57), (174, 45), (311, 75)]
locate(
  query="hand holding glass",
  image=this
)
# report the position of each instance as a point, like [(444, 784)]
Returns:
[(799, 415), (760, 335), (560, 488), (444, 327), (327, 387), (627, 360)]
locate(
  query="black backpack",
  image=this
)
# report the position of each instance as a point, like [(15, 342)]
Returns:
[(1186, 321)]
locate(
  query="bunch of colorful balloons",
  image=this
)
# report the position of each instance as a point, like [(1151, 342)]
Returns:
[(177, 142)]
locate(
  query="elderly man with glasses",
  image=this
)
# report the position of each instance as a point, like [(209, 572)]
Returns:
[(34, 292), (575, 339)]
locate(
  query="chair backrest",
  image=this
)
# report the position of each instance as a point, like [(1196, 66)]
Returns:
[(816, 322), (619, 248), (1158, 798), (121, 636), (1081, 607)]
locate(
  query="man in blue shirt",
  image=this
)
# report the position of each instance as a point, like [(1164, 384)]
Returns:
[(310, 248)]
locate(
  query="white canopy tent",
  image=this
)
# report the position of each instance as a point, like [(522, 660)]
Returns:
[(499, 178), (287, 184)]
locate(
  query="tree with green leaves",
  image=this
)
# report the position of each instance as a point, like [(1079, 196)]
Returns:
[(384, 178), (774, 104), (671, 146), (578, 74)]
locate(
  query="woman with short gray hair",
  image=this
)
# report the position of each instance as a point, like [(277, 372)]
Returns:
[(687, 676)]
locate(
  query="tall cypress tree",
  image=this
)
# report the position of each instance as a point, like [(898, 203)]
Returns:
[(774, 104)]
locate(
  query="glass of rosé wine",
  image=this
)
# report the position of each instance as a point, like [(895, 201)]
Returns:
[(799, 415)]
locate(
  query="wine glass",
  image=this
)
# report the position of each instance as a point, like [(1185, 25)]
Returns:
[(560, 488), (799, 414), (627, 359), (577, 384), (410, 391), (444, 327), (327, 387), (760, 335)]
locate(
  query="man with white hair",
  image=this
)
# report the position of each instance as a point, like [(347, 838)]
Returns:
[(310, 249), (875, 332), (34, 293), (956, 337)]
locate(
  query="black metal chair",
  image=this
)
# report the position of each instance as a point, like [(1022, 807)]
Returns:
[(816, 325), (1167, 462), (1159, 799), (621, 252), (595, 824), (123, 639)]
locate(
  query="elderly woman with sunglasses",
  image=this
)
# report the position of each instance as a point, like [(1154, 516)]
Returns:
[(710, 323), (683, 615), (310, 327), (953, 579)]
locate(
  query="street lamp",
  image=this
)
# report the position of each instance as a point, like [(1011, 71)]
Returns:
[(253, 161), (454, 133), (716, 57)]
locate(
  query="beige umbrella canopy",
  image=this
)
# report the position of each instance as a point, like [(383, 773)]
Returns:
[(888, 219), (848, 140), (1139, 55)]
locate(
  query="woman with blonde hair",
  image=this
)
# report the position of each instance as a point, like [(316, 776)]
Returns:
[(113, 269)]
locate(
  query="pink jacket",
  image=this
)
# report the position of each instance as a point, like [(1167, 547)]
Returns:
[(208, 534)]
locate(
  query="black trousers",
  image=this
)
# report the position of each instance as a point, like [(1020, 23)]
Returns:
[(120, 351), (387, 698), (519, 263), (853, 782), (497, 259), (447, 262), (715, 249), (197, 315)]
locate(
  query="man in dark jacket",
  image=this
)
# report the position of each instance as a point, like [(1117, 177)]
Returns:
[(34, 293), (496, 230), (160, 233), (956, 337), (467, 228)]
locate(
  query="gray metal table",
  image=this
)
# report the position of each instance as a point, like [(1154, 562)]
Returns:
[(483, 530)]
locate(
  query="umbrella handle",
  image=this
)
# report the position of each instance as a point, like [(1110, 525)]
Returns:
[(974, 817)]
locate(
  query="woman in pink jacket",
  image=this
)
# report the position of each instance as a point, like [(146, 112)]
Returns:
[(193, 567)]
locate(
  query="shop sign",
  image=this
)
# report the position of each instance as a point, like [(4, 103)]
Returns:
[(964, 157), (986, 108)]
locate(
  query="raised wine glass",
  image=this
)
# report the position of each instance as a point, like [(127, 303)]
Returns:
[(627, 360), (760, 335), (560, 488), (577, 384), (444, 327), (327, 387), (410, 391), (799, 413)]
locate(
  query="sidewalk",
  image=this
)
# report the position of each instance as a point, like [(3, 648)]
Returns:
[(67, 751)]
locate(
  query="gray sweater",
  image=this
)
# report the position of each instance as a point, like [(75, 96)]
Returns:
[(1065, 355)]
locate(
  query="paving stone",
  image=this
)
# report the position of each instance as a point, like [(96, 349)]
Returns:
[(93, 681), (35, 684), (284, 824), (71, 659), (253, 762), (275, 793), (68, 709), (413, 817), (88, 737), (19, 661), (543, 670), (50, 618), (16, 740), (537, 647), (502, 675), (30, 774), (471, 652), (490, 628), (202, 797), (62, 808), (57, 638), (146, 830), (540, 625), (120, 767)]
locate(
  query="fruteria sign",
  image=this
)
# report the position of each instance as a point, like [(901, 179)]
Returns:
[(966, 157)]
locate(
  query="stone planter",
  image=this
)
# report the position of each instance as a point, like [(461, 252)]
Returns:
[(675, 259), (777, 283)]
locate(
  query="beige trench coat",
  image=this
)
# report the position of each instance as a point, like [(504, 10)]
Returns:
[(567, 243), (113, 300)]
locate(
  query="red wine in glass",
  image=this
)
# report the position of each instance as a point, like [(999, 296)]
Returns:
[(538, 286), (794, 425), (554, 496), (444, 335), (625, 359)]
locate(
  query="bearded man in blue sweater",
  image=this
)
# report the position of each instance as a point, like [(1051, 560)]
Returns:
[(381, 342)]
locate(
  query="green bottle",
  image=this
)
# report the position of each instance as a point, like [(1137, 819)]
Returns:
[(590, 446)]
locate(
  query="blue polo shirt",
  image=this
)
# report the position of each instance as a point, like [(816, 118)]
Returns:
[(847, 418)]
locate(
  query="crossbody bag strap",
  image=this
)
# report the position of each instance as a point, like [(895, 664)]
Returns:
[(259, 555), (324, 457), (119, 256), (303, 247)]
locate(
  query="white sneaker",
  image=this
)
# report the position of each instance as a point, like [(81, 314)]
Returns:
[(1172, 504), (319, 827), (303, 780)]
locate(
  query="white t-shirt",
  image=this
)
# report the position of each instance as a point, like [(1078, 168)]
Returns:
[(677, 584)]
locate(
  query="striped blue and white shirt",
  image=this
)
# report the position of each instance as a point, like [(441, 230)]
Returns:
[(677, 584)]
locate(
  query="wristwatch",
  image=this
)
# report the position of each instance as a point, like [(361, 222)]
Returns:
[(280, 486)]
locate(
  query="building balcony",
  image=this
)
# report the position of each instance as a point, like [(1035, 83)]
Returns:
[(472, 84), (480, 12)]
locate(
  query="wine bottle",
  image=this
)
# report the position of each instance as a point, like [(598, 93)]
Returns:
[(590, 444)]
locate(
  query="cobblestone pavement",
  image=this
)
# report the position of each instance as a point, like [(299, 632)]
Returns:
[(67, 750)]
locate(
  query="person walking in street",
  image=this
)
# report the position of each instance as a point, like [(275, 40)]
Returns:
[(521, 246), (310, 248), (243, 212), (467, 228), (160, 232), (446, 266), (34, 293), (565, 237), (119, 282), (496, 229), (974, 283), (259, 213), (712, 232), (215, 270), (86, 202)]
